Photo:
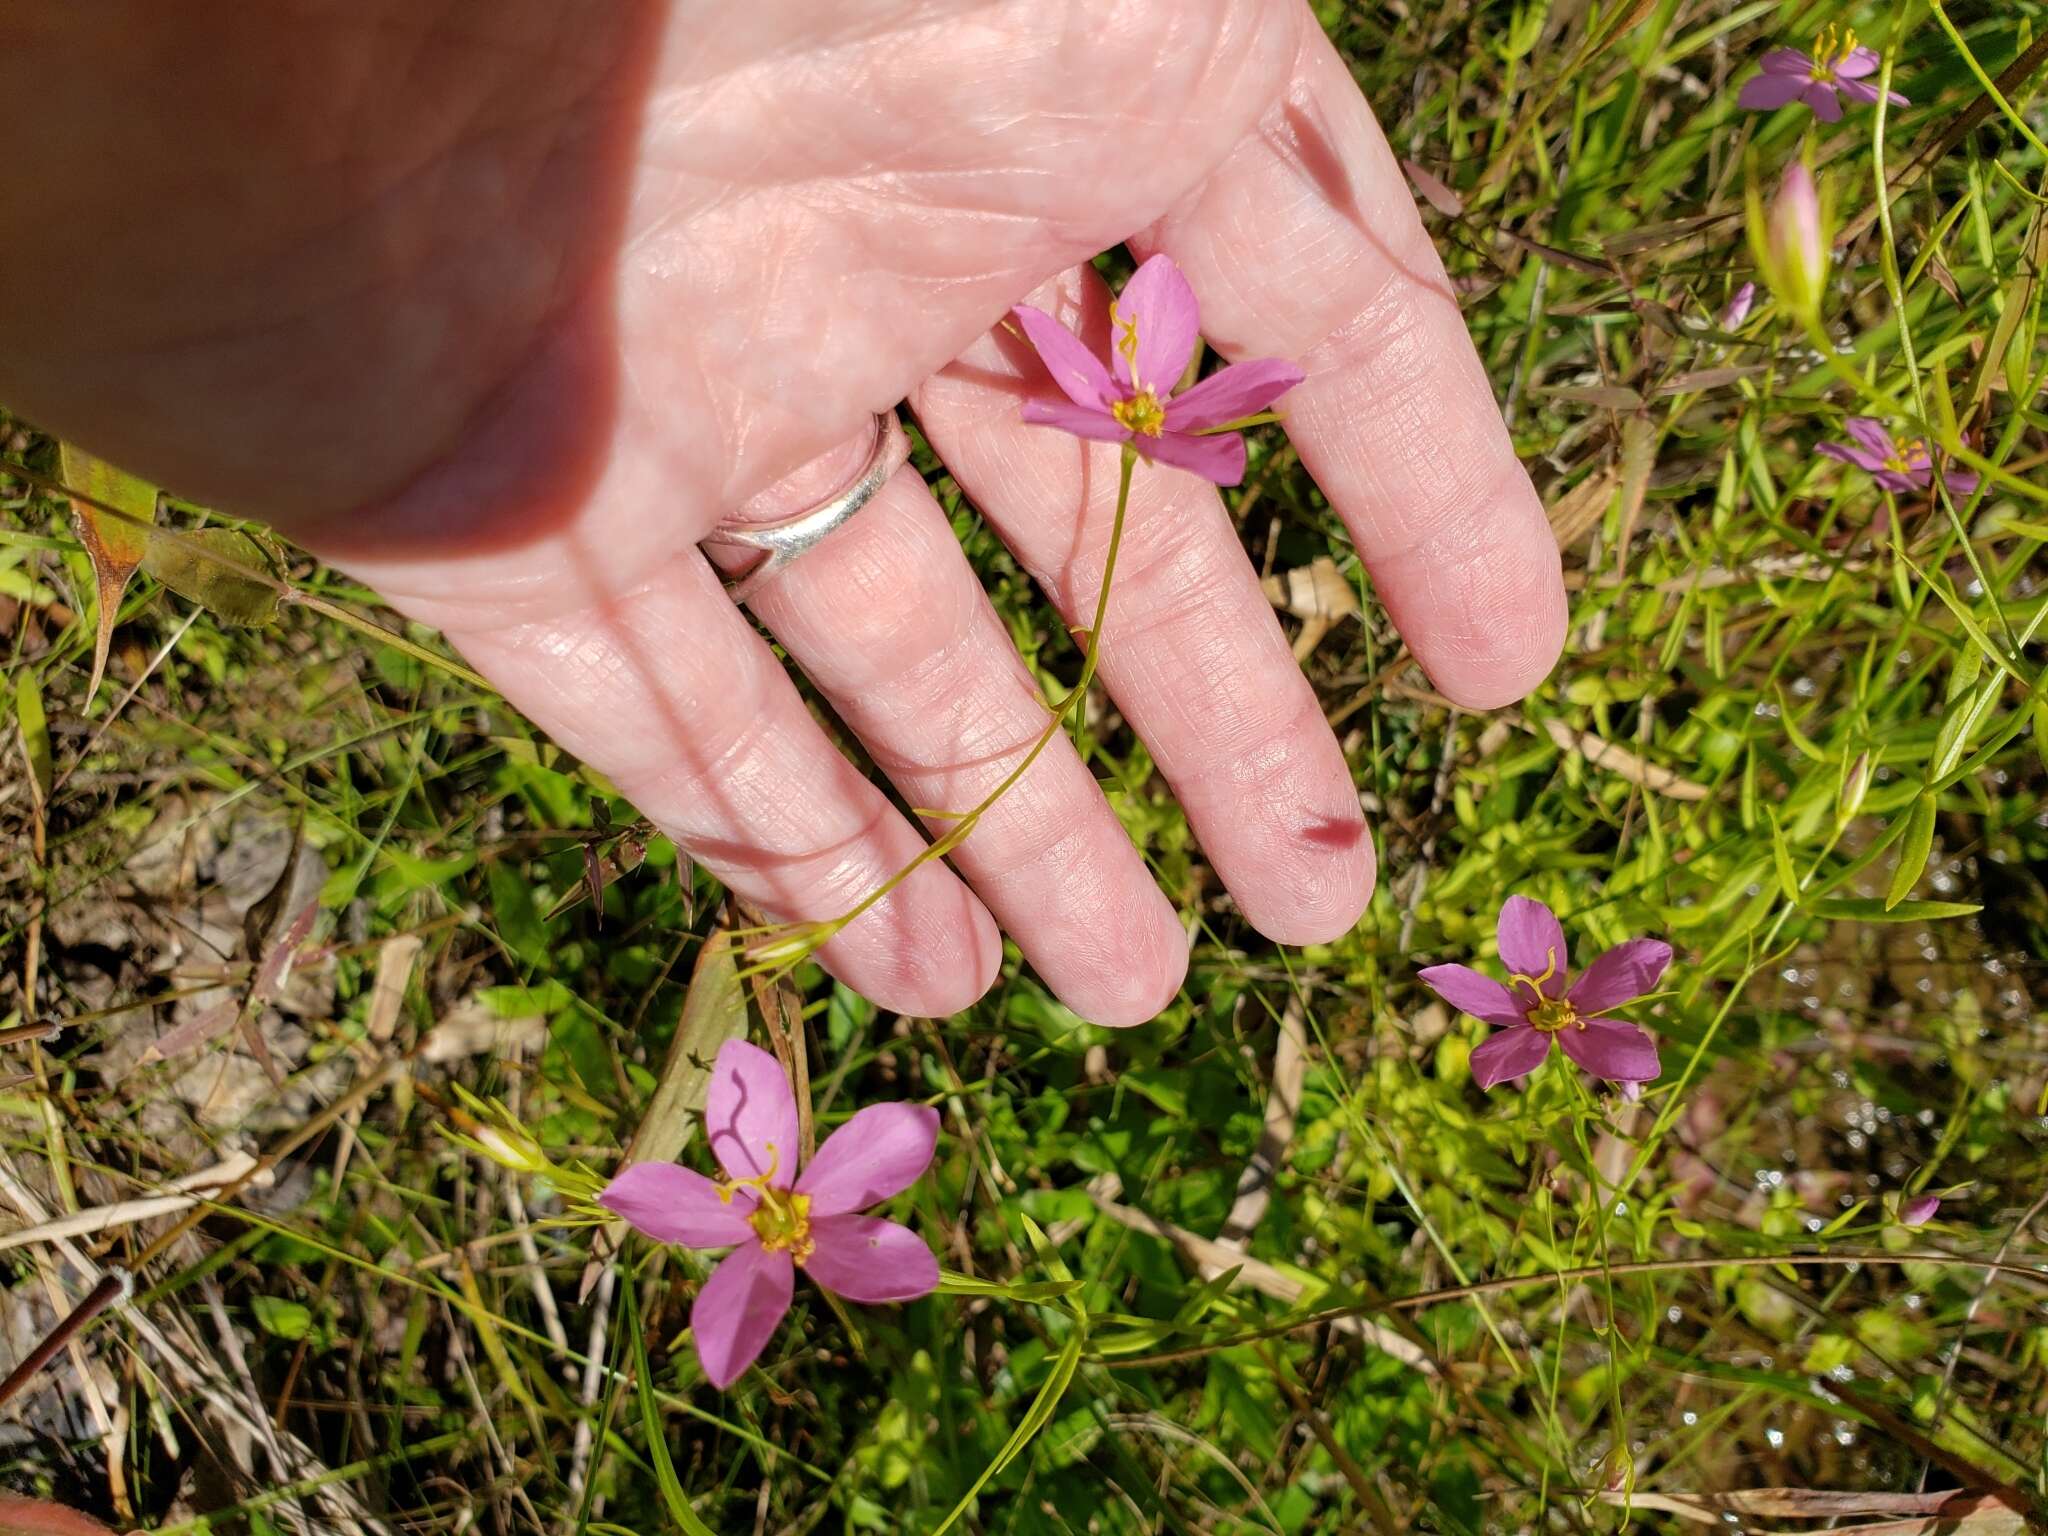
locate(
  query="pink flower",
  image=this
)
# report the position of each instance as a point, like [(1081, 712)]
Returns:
[(1835, 69), (1918, 1210), (775, 1221), (1896, 468), (1154, 324), (1739, 307), (1537, 1005)]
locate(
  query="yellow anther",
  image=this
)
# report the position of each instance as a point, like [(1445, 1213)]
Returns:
[(1126, 344), (783, 1222)]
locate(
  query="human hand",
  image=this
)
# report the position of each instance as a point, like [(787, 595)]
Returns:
[(504, 307)]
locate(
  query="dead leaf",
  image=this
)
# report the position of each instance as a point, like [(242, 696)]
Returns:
[(1283, 1099), (114, 544), (1319, 595), (1438, 195), (395, 960), (1606, 755), (1638, 457), (1574, 513), (1613, 397), (39, 1517), (1710, 378), (472, 1029)]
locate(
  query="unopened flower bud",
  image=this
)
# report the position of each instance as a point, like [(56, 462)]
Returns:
[(1855, 785), (512, 1149), (1738, 307), (1790, 241)]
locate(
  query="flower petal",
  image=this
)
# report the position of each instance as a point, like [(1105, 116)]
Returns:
[(1960, 482), (1614, 1049), (1821, 97), (1508, 1053), (1862, 458), (882, 1149), (1158, 303), (751, 1115), (1082, 420), (738, 1310), (1242, 389), (867, 1259), (1532, 943), (1219, 459), (1857, 63), (1473, 992), (1787, 61), (1621, 975), (1765, 93), (1872, 435), (673, 1204), (1907, 480), (1077, 371)]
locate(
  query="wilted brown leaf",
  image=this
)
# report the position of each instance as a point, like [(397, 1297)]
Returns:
[(114, 544)]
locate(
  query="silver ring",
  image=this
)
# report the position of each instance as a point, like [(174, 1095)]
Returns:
[(783, 540)]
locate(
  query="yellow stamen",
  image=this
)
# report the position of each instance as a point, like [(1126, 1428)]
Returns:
[(1142, 414), (784, 1222), (1546, 1013), (1830, 50), (1126, 343), (727, 1188)]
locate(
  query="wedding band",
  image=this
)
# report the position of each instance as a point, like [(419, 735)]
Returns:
[(783, 540)]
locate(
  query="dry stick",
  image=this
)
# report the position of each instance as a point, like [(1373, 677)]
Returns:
[(103, 1295), (529, 1251), (191, 1189), (593, 1377), (267, 1436)]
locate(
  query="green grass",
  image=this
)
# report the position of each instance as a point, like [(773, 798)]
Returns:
[(1744, 619)]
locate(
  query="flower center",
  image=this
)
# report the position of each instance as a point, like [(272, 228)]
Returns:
[(1554, 1014), (1830, 50), (783, 1221), (1908, 458), (1545, 1013), (1142, 414)]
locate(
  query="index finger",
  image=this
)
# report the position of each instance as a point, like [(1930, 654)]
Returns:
[(1305, 244)]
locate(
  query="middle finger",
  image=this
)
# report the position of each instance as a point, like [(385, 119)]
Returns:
[(1191, 651)]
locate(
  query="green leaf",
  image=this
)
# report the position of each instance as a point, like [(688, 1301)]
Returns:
[(219, 569), (650, 1425), (1861, 909), (35, 732), (114, 544), (282, 1319), (1914, 848), (1781, 855), (519, 923)]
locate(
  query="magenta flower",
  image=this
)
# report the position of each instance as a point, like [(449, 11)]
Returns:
[(1537, 1005), (1835, 69), (1896, 468), (1154, 324), (775, 1221)]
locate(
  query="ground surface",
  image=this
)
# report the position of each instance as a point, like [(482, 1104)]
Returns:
[(380, 1327)]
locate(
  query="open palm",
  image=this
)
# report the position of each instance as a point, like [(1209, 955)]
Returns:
[(505, 306)]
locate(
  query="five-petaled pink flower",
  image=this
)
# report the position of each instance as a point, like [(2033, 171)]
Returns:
[(775, 1221), (1835, 69), (1541, 1002), (1895, 467), (1153, 327)]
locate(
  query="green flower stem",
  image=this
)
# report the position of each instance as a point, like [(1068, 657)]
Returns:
[(807, 937)]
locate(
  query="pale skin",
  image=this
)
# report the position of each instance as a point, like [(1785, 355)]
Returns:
[(502, 305)]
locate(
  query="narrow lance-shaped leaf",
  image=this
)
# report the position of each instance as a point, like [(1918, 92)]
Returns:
[(114, 544), (1914, 849), (35, 733)]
